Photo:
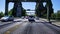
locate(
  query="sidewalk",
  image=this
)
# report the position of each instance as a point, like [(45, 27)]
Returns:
[(44, 20), (47, 20), (53, 21)]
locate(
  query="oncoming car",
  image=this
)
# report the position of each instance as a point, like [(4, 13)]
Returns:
[(31, 19)]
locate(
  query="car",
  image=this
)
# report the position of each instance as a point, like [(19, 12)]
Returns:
[(37, 18), (26, 17), (31, 19), (7, 18), (22, 17)]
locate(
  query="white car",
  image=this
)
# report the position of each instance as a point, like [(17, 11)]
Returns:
[(37, 18), (7, 18), (22, 17)]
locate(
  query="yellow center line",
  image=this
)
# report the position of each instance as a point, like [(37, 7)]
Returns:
[(12, 29)]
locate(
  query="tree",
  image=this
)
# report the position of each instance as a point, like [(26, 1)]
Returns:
[(58, 14), (53, 16), (10, 12), (13, 12), (1, 14), (23, 12)]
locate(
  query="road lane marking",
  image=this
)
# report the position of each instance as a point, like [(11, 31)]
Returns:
[(12, 29)]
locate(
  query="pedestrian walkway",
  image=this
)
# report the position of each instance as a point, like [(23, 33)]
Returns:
[(53, 21)]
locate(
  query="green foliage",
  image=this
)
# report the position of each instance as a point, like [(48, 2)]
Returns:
[(10, 12), (24, 12), (58, 15), (1, 14), (45, 15), (53, 16)]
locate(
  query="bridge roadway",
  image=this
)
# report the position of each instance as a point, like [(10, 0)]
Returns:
[(25, 27)]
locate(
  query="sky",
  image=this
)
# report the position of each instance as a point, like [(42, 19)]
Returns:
[(29, 5)]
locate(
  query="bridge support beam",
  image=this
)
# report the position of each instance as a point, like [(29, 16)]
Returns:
[(6, 7), (39, 8), (19, 9), (49, 10), (48, 13)]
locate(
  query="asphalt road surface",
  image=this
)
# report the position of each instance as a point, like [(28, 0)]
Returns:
[(25, 27)]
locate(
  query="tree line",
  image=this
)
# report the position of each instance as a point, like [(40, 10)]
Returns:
[(53, 15), (11, 13)]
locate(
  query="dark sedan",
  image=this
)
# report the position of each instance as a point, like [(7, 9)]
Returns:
[(31, 19)]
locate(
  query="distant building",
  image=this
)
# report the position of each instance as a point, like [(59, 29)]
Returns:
[(30, 12), (58, 11)]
